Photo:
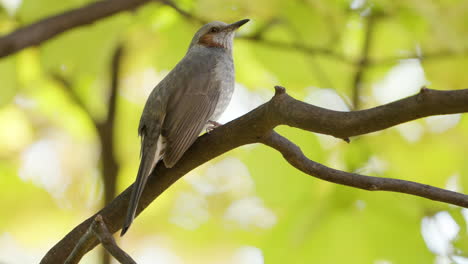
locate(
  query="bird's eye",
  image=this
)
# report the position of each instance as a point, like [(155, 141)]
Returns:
[(214, 30)]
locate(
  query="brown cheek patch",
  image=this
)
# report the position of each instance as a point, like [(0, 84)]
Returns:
[(207, 41)]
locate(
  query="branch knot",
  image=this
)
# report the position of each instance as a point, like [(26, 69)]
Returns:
[(279, 90)]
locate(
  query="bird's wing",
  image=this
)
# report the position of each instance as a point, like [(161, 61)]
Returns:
[(189, 110)]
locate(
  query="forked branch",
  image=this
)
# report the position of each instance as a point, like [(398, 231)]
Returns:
[(98, 229), (257, 127)]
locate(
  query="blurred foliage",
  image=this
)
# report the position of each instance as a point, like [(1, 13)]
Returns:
[(249, 205)]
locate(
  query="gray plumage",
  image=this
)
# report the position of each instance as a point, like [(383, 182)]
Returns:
[(178, 109)]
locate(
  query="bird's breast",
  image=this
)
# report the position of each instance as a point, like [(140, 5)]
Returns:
[(224, 74)]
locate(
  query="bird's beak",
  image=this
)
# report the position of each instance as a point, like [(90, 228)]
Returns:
[(236, 25)]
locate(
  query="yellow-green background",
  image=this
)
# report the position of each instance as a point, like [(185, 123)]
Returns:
[(289, 217)]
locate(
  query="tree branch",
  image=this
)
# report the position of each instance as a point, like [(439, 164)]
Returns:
[(425, 56), (256, 127), (99, 230), (184, 13), (67, 88), (293, 154), (343, 125), (258, 34), (48, 28), (299, 47)]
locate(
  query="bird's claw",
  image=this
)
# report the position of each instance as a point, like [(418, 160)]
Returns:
[(212, 125)]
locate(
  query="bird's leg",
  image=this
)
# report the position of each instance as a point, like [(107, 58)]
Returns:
[(212, 125)]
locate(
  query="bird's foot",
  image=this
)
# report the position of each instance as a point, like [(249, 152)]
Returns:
[(212, 125)]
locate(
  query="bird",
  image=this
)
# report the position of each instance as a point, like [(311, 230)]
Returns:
[(190, 99)]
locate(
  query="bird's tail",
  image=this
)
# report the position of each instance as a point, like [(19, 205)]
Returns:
[(149, 159)]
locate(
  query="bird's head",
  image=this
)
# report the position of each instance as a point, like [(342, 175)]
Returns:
[(216, 34)]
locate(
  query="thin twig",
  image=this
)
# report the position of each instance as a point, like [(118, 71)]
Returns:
[(108, 242), (423, 56), (300, 47), (98, 229), (68, 88), (261, 31), (82, 246), (313, 60), (294, 156), (184, 13)]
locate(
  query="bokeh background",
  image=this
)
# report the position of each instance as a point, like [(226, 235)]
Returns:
[(65, 149)]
